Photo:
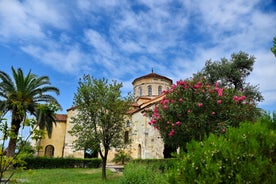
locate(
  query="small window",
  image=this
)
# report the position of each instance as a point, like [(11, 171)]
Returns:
[(126, 137), (49, 151), (149, 90), (159, 90), (127, 123), (140, 91)]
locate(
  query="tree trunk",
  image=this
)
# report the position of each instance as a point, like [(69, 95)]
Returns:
[(15, 126), (104, 160), (104, 168)]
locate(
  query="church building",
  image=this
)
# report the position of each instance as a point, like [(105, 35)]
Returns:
[(145, 141)]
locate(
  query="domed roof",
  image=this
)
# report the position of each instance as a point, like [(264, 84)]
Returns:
[(152, 75)]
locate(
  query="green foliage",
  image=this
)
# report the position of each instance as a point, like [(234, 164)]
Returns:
[(193, 109), (7, 163), (243, 155), (100, 118), (45, 162), (24, 149), (233, 73), (121, 157), (160, 165), (22, 95), (269, 119), (273, 49), (142, 174)]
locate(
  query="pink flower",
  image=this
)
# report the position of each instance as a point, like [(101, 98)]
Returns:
[(213, 113), (164, 101), (236, 98), (189, 110), (219, 91), (165, 107), (180, 100), (199, 104), (217, 84), (242, 98), (178, 123), (172, 132), (219, 102)]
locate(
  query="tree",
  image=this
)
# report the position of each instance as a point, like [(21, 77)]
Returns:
[(192, 109), (232, 73), (99, 123), (23, 95), (273, 49)]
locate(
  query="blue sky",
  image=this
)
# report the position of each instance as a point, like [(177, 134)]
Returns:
[(121, 40)]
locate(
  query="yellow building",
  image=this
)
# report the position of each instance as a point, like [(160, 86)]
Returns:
[(145, 140)]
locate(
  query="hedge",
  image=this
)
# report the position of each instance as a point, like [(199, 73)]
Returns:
[(46, 162)]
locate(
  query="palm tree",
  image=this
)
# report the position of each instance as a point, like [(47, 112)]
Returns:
[(21, 96)]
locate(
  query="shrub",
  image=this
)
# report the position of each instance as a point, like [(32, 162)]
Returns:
[(192, 109), (45, 162), (142, 174), (243, 155), (161, 165), (122, 157)]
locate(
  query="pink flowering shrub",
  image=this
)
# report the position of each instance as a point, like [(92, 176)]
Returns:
[(193, 109)]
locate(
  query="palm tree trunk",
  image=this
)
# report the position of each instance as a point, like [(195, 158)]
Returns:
[(15, 126)]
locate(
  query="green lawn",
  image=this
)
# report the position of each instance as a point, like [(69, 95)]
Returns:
[(66, 176)]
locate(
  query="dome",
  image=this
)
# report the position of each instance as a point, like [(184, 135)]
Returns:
[(152, 75), (150, 86)]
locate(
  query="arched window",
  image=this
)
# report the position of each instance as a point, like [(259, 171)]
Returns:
[(149, 90), (49, 151), (140, 91), (159, 90)]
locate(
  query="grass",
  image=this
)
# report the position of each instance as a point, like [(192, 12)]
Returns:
[(65, 176)]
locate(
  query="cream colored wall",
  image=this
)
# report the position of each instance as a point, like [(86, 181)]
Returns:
[(147, 137), (69, 150), (154, 82), (56, 140)]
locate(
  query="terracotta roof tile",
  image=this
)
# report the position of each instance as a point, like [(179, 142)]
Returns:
[(61, 117), (152, 75)]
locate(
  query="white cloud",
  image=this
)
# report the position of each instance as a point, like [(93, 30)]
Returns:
[(16, 23), (27, 20), (99, 42), (70, 59), (123, 39)]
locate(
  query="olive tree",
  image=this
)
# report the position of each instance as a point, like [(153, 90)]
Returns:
[(232, 73)]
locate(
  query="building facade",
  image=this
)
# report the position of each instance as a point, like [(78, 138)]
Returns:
[(145, 140)]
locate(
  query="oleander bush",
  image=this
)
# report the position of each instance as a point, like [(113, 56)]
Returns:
[(243, 155)]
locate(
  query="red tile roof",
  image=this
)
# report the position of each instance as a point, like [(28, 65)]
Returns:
[(61, 117), (152, 75)]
